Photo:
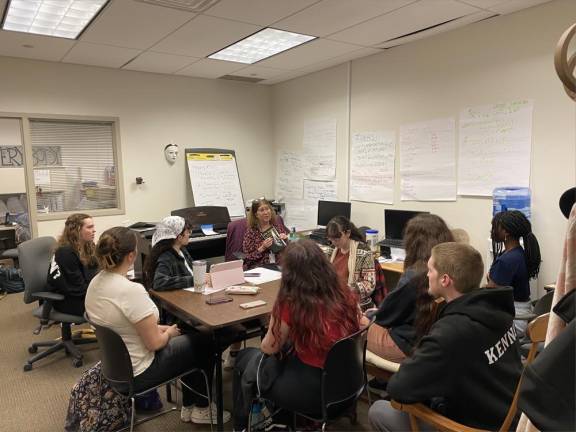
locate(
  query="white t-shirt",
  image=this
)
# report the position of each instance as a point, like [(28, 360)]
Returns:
[(114, 302)]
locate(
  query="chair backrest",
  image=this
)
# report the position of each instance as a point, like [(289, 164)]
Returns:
[(34, 260), (544, 304), (115, 358), (344, 373), (536, 331), (234, 238)]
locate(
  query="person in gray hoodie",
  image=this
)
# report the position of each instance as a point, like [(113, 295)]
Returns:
[(468, 365)]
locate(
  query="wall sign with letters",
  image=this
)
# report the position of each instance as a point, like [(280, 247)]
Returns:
[(12, 157)]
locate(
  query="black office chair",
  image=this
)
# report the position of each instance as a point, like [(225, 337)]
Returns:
[(117, 369), (34, 256), (343, 379)]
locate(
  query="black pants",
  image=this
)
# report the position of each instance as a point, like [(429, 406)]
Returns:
[(296, 388), (182, 353), (71, 305)]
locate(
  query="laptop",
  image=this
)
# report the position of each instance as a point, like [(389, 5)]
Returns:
[(395, 222), (226, 274)]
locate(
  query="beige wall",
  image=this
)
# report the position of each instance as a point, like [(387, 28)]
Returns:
[(154, 110), (501, 59)]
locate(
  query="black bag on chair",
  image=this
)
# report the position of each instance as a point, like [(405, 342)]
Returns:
[(11, 280)]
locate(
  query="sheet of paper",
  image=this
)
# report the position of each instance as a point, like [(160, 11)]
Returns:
[(289, 175), (428, 161), (210, 290), (315, 190), (42, 177), (495, 146), (372, 166), (319, 143), (301, 215), (265, 275), (208, 229)]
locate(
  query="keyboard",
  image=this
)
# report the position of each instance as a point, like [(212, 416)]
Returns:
[(319, 232), (203, 237), (396, 243)]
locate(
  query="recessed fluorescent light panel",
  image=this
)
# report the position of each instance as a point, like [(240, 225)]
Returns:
[(59, 18), (261, 45)]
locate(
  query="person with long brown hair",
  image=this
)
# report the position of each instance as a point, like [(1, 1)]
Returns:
[(405, 315), (312, 311), (264, 234), (158, 352), (73, 264)]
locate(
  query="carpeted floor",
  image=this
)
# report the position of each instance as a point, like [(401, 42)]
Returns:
[(37, 400)]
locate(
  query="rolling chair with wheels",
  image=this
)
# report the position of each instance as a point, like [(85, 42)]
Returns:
[(117, 370), (34, 256)]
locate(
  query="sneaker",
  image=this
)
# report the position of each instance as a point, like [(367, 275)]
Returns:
[(230, 360), (202, 415), (378, 387), (185, 413)]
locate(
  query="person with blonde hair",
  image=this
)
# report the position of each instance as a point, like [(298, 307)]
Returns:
[(73, 264), (158, 352)]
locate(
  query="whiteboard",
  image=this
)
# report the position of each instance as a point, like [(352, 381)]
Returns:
[(214, 179)]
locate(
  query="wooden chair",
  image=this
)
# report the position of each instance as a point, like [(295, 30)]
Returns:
[(537, 333)]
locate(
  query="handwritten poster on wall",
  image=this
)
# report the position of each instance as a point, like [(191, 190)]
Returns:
[(289, 175), (428, 161), (319, 143), (495, 146), (320, 190), (372, 166), (301, 214)]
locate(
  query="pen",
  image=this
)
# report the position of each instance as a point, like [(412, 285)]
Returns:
[(251, 274)]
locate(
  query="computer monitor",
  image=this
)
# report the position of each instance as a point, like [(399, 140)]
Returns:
[(329, 209), (395, 221)]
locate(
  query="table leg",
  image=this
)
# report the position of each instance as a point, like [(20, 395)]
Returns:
[(219, 397)]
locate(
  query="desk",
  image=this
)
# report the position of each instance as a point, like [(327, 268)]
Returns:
[(192, 309), (392, 271)]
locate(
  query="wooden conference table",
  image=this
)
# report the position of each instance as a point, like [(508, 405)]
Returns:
[(192, 308)]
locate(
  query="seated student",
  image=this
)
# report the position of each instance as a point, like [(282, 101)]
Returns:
[(313, 310), (258, 247), (158, 352), (352, 259), (169, 265), (406, 312), (514, 266), (73, 264), (469, 362)]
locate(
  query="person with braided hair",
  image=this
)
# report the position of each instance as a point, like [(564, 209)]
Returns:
[(513, 264)]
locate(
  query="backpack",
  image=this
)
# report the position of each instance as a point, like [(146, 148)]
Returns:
[(94, 406), (11, 280)]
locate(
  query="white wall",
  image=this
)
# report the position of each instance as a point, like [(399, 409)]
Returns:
[(502, 59), (154, 110)]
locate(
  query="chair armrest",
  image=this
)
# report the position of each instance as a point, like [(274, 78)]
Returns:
[(47, 295), (428, 415)]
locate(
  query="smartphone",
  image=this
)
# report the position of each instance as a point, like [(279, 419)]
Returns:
[(217, 300)]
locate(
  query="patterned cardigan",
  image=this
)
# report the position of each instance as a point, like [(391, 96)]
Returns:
[(362, 271)]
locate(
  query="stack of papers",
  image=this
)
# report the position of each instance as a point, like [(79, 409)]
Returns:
[(261, 275)]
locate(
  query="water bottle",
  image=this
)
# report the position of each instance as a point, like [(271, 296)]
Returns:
[(511, 198), (372, 239), (256, 417), (292, 236)]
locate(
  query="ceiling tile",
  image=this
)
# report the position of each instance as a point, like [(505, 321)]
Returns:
[(307, 54), (515, 5), (484, 4), (259, 72), (132, 24), (36, 47), (208, 68), (261, 12), (100, 55), (330, 16), (150, 61), (413, 17), (203, 36)]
